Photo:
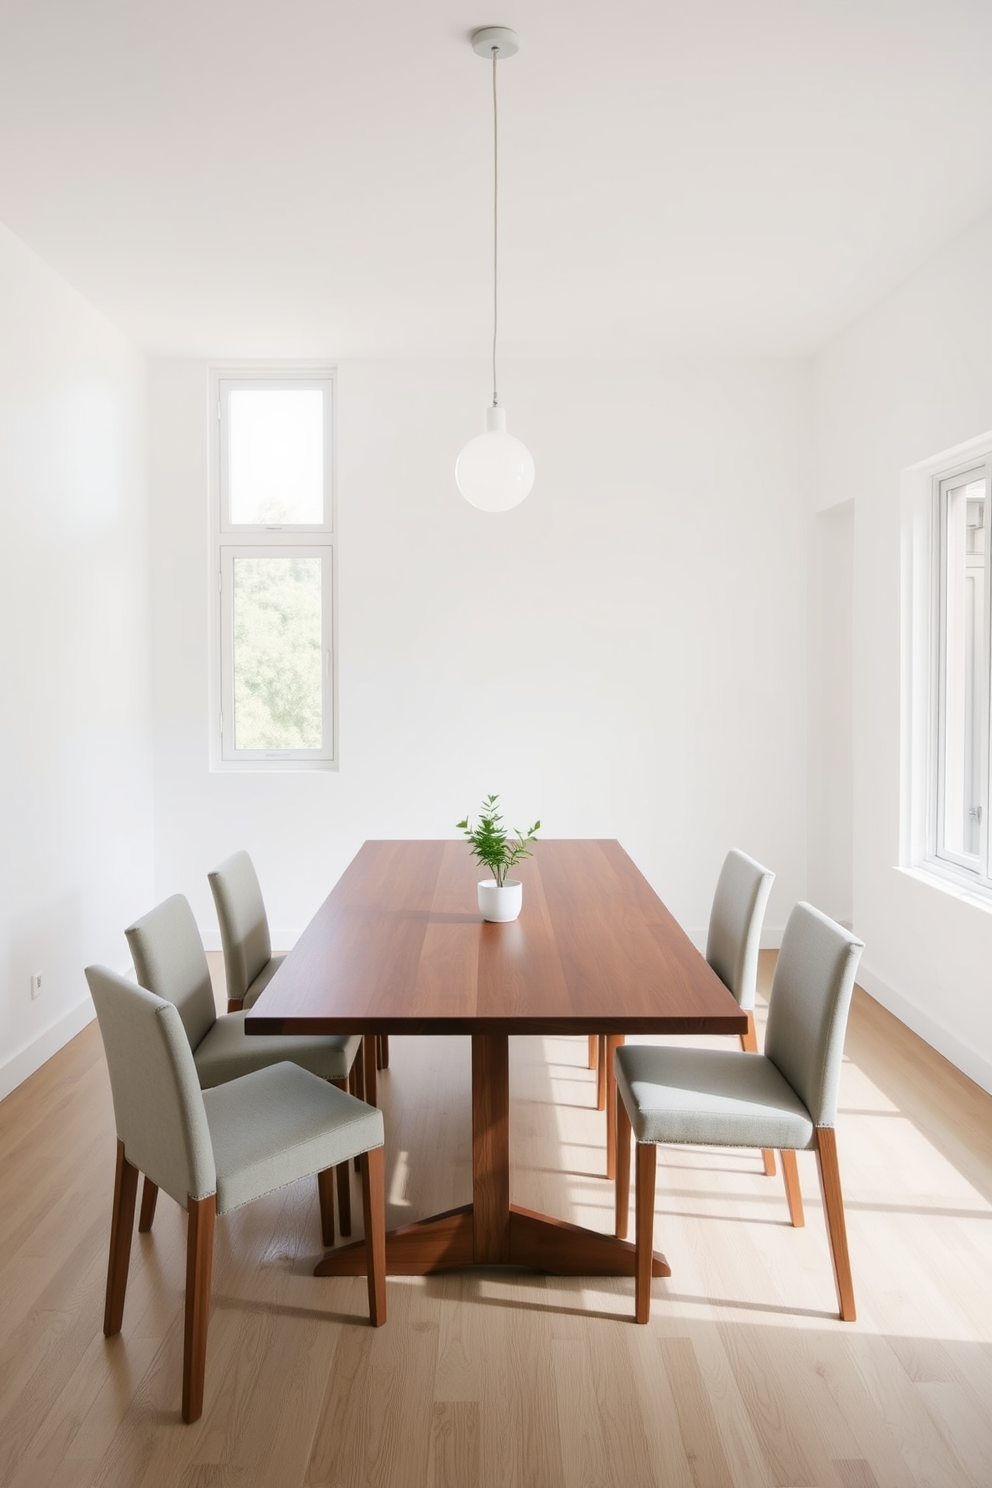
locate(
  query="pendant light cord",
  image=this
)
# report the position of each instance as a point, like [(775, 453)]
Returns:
[(495, 222)]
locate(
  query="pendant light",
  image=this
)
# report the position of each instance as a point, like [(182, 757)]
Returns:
[(495, 471)]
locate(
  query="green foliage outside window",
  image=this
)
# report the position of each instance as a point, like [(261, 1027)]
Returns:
[(277, 651)]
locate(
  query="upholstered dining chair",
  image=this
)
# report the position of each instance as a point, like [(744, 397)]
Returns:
[(170, 961), (214, 1150), (732, 944), (249, 964), (785, 1098)]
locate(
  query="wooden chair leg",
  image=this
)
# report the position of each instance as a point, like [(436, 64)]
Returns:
[(749, 1043), (202, 1214), (356, 1084), (646, 1161), (623, 1172), (790, 1172), (343, 1171), (368, 1059), (382, 1050), (374, 1210), (235, 1004), (370, 1073), (833, 1208), (325, 1196), (613, 1042), (594, 1051), (602, 1074), (344, 1197), (149, 1198), (121, 1227)]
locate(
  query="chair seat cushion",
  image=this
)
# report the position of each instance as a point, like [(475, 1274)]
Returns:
[(279, 1124), (718, 1097), (263, 979), (227, 1052)]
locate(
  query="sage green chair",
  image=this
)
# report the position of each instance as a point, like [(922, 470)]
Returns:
[(734, 936), (785, 1098), (214, 1150), (732, 944), (249, 964), (170, 961)]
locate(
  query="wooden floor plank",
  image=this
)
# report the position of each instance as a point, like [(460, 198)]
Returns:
[(963, 1424), (698, 1422), (454, 1460)]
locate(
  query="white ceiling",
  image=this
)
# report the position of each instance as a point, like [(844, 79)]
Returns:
[(313, 177)]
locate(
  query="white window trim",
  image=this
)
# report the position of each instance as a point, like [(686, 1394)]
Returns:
[(920, 722), (228, 540), (980, 469)]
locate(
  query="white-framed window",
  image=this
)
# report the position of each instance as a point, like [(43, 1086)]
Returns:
[(961, 670), (274, 568)]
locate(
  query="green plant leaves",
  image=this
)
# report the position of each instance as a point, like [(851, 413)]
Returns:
[(492, 844)]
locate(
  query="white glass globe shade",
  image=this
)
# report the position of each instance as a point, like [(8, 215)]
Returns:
[(495, 471)]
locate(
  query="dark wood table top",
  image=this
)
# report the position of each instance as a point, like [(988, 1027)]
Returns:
[(399, 946)]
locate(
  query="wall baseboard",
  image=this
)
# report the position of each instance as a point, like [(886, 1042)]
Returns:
[(930, 1029), (15, 1071)]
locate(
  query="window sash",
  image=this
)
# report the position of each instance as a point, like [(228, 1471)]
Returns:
[(279, 663), (228, 386)]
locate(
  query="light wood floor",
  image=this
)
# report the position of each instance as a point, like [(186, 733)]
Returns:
[(743, 1376)]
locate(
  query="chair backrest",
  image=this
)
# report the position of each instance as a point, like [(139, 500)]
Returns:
[(244, 928), (170, 961), (734, 937), (808, 1007), (158, 1105)]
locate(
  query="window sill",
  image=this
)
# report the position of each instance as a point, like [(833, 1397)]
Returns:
[(960, 888), (273, 766)]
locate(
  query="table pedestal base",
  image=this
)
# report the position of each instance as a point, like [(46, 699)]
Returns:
[(448, 1242), (490, 1231)]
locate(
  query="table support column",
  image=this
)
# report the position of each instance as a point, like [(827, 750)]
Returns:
[(491, 1148)]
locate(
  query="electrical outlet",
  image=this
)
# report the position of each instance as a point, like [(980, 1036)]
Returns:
[(36, 984)]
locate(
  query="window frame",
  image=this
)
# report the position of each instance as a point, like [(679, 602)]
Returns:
[(231, 540), (971, 870)]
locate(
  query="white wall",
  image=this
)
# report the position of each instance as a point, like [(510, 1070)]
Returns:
[(830, 761), (909, 380), (623, 655), (75, 776)]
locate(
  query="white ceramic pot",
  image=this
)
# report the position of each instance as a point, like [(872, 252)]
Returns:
[(500, 903)]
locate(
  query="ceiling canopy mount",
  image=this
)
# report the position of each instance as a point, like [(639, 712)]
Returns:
[(498, 38)]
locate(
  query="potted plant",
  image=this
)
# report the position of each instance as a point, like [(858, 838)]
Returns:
[(500, 897)]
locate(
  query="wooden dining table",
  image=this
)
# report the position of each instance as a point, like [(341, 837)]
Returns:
[(399, 947)]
